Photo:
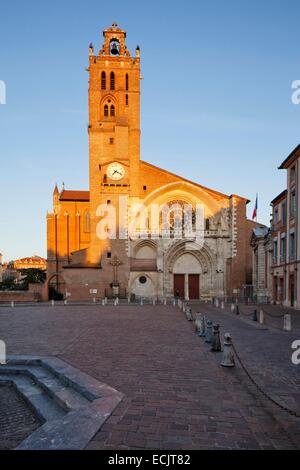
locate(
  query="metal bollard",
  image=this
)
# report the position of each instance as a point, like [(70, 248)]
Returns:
[(202, 330), (228, 354), (237, 310), (189, 314), (232, 308), (261, 317), (216, 343), (52, 303), (222, 305), (254, 315), (12, 304), (287, 322), (208, 333)]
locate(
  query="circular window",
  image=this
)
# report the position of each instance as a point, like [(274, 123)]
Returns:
[(143, 279)]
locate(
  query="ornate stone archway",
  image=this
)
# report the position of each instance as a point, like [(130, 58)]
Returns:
[(189, 259)]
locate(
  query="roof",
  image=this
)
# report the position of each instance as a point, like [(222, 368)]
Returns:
[(280, 196), (196, 184), (84, 196), (74, 195), (290, 159)]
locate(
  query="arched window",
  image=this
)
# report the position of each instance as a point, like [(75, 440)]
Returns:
[(112, 111), (106, 110), (112, 80), (126, 100), (87, 222), (127, 82), (103, 81)]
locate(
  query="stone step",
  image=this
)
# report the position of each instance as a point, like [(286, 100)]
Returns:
[(44, 407), (64, 395), (71, 405)]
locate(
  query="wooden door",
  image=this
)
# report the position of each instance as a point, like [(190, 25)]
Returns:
[(193, 286), (179, 285)]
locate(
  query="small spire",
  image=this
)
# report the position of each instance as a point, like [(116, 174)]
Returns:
[(55, 190), (63, 186)]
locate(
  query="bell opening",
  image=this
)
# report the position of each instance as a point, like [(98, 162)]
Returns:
[(114, 48)]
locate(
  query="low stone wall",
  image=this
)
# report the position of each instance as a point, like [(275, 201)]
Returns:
[(19, 296)]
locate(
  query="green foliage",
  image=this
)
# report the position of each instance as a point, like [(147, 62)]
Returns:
[(31, 276)]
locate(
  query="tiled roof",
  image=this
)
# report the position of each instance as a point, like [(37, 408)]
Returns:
[(74, 195)]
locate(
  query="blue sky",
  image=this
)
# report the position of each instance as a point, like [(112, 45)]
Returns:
[(215, 107)]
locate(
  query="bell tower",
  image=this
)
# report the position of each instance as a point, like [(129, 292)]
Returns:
[(114, 134)]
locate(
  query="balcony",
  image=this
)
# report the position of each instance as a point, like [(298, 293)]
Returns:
[(282, 259)]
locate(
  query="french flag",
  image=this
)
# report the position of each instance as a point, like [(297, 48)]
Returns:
[(254, 215)]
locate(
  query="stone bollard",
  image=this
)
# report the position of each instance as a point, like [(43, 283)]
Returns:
[(174, 303), (232, 308), (128, 299), (237, 310), (228, 354), (165, 301), (198, 323), (141, 301), (254, 315), (103, 302), (183, 307), (216, 343), (94, 300), (52, 303), (222, 305), (189, 314), (202, 329), (287, 322), (65, 302), (261, 317), (12, 304), (208, 333), (217, 303)]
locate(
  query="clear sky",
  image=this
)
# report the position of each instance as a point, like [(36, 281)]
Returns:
[(215, 106)]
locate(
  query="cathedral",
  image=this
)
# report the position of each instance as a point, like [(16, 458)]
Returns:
[(122, 237)]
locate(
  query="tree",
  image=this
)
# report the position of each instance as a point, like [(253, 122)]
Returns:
[(31, 276)]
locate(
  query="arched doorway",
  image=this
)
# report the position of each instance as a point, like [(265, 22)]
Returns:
[(187, 276), (54, 286)]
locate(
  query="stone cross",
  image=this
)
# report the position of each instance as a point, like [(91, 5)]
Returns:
[(115, 264)]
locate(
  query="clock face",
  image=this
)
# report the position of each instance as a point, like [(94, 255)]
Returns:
[(115, 171)]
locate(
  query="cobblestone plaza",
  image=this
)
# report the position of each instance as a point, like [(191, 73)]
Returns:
[(176, 394)]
